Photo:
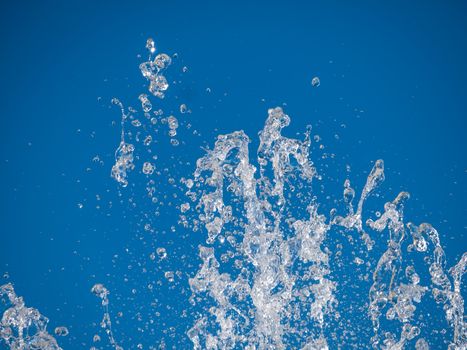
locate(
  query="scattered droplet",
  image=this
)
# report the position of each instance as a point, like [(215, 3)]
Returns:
[(315, 82), (161, 253), (145, 103), (148, 168), (147, 141), (61, 331), (169, 275), (185, 207), (150, 45), (358, 261)]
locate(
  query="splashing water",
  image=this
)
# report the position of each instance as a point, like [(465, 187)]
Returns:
[(280, 292), (102, 293), (274, 266), (21, 327), (153, 70), (269, 278), (123, 154)]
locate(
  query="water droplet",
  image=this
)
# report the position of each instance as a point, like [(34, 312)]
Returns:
[(147, 141), (145, 103), (172, 122), (183, 108), (61, 331), (150, 45), (148, 168), (169, 275), (184, 207), (315, 82), (161, 253)]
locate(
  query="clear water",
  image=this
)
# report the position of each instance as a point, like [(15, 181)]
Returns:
[(287, 259)]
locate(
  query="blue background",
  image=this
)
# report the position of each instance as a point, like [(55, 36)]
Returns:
[(393, 72)]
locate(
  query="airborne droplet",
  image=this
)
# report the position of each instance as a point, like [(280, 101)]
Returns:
[(315, 82), (150, 45)]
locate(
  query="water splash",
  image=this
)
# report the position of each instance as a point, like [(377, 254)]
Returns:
[(272, 271), (259, 299), (21, 327), (124, 153), (103, 293), (280, 291), (153, 70), (272, 265)]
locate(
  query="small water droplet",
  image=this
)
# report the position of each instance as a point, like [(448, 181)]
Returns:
[(315, 82), (150, 45)]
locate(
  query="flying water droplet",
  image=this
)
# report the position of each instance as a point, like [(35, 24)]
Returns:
[(145, 103), (183, 108), (61, 331), (148, 168), (150, 45), (315, 82)]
